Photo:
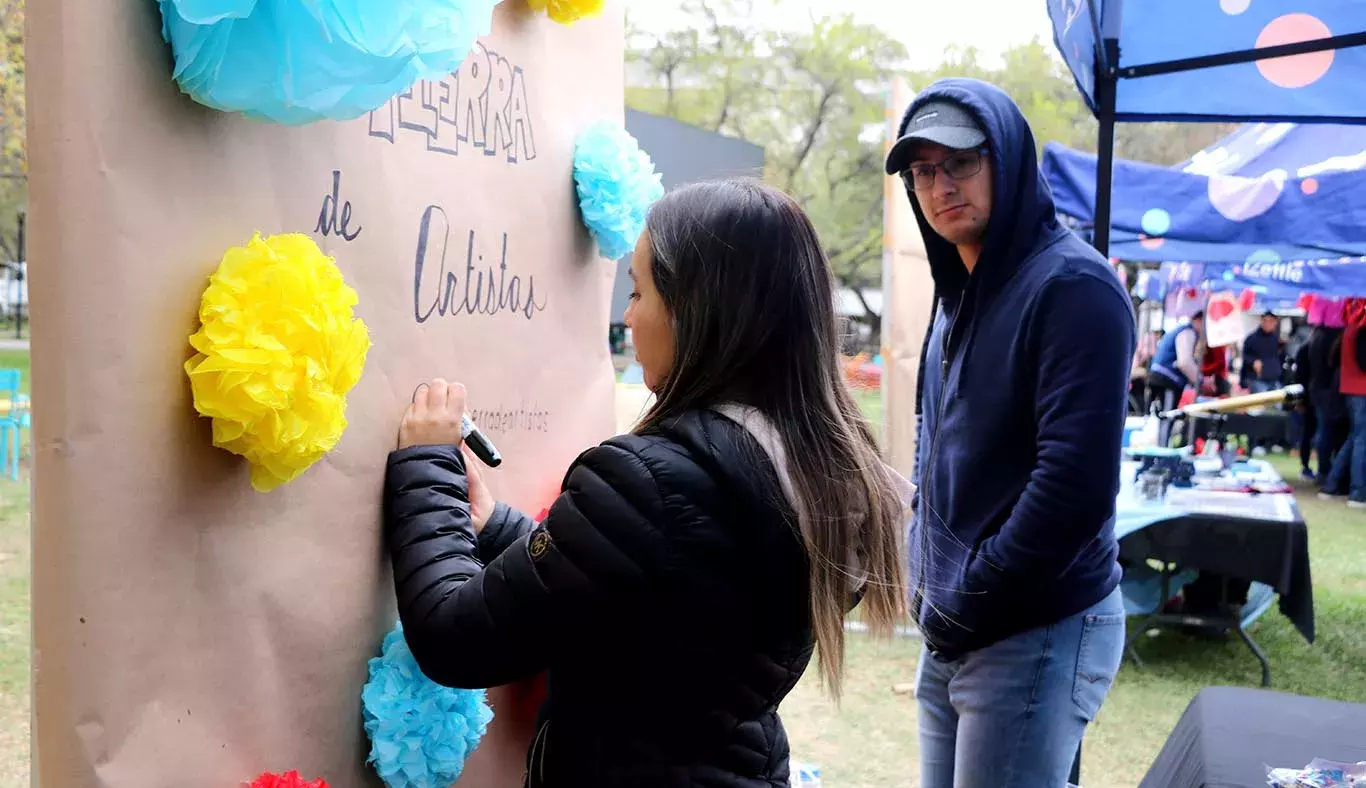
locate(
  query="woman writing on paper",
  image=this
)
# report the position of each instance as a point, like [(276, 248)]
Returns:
[(678, 586)]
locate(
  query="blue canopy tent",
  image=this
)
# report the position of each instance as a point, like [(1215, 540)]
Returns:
[(1160, 214), (1300, 150), (1274, 283), (1295, 60)]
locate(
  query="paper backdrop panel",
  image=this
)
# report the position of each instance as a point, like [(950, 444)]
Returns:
[(908, 302), (189, 630)]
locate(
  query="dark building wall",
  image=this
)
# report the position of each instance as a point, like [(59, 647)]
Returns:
[(683, 154)]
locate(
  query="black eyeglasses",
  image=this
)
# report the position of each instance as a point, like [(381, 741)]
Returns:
[(961, 165)]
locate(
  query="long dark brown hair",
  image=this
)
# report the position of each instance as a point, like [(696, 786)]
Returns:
[(751, 294)]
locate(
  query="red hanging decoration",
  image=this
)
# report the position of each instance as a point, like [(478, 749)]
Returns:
[(1220, 308), (1247, 299), (290, 779)]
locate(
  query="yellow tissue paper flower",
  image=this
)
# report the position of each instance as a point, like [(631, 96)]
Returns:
[(278, 349), (567, 12)]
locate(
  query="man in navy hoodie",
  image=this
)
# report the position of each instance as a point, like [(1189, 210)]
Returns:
[(1024, 379)]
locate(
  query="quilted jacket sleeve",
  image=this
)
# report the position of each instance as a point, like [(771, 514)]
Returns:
[(504, 527), (471, 625)]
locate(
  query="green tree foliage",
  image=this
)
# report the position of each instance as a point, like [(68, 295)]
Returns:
[(814, 96), (1039, 82), (13, 150)]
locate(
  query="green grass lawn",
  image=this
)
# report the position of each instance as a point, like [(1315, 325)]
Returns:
[(871, 403), (14, 632), (17, 359)]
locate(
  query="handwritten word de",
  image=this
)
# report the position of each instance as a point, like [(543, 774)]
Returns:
[(438, 291), (327, 217), (483, 107)]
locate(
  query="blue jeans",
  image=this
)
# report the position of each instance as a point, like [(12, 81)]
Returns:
[(1329, 406), (1349, 466), (1012, 715), (1255, 386)]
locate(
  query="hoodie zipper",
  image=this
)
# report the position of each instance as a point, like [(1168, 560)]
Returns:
[(943, 383), (939, 410)]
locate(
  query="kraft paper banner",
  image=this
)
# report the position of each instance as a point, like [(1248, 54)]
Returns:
[(189, 630), (908, 295)]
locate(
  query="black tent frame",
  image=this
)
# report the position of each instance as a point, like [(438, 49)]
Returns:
[(1108, 74)]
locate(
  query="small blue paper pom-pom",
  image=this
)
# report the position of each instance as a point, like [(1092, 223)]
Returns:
[(617, 184), (420, 732), (299, 61)]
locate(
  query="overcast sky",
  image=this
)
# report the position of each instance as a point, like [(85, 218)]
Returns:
[(926, 27)]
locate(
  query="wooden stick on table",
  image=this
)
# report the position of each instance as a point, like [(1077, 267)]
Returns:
[(1234, 404)]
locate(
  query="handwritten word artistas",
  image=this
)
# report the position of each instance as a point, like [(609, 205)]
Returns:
[(483, 106), (500, 419), (327, 217), (438, 291)]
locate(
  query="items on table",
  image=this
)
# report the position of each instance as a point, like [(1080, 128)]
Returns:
[(1319, 774), (1153, 470)]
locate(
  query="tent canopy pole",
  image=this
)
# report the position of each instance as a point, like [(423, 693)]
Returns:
[(1243, 56), (1107, 80)]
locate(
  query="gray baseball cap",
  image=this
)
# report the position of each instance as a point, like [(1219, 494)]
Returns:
[(944, 122)]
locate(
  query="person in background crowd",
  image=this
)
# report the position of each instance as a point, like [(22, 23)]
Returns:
[(1348, 475), (1174, 368), (1324, 357), (1147, 348), (1138, 373), (1261, 370), (1213, 370), (1305, 411), (1013, 559)]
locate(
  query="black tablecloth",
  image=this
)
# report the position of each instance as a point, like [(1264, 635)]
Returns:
[(1271, 425), (1230, 735), (1272, 552)]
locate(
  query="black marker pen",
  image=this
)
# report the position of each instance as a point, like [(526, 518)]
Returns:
[(482, 447)]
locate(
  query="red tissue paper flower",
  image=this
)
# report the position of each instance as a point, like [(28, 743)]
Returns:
[(290, 779)]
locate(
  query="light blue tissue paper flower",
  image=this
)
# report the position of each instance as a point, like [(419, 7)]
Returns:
[(617, 184), (299, 61), (420, 732)]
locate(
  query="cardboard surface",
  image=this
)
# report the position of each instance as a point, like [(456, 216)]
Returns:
[(188, 629), (908, 295)]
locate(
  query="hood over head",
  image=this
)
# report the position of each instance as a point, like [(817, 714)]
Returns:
[(1022, 211)]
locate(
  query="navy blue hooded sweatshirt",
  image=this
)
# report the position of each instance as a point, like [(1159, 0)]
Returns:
[(1024, 386)]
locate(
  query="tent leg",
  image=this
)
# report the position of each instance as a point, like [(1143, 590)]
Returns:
[(1106, 84), (1104, 173)]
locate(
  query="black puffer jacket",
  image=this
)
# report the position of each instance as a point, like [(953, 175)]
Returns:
[(665, 593)]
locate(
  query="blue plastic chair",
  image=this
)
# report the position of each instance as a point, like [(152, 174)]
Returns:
[(12, 423)]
